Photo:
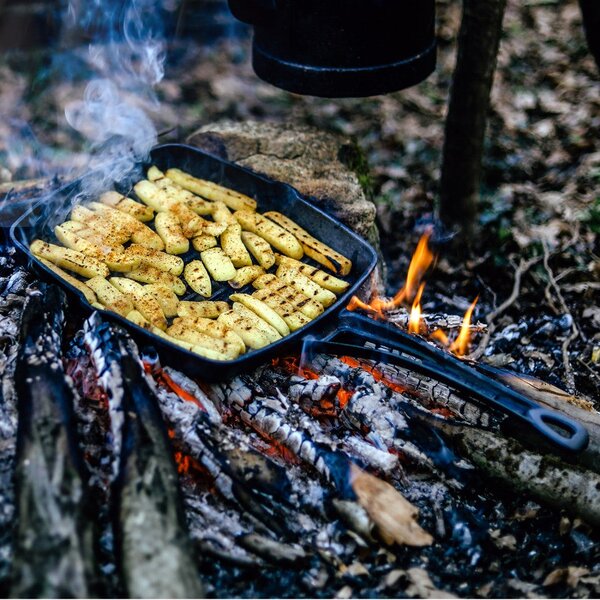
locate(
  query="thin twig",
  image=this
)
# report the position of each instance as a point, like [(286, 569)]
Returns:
[(523, 267), (569, 376)]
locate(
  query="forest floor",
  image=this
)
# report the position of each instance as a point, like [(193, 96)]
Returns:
[(540, 207)]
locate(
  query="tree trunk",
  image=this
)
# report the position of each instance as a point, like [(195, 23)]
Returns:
[(590, 12), (478, 43)]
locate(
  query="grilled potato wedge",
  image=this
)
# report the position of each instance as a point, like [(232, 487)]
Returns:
[(165, 296), (156, 258), (110, 296), (253, 336), (209, 309), (148, 274), (212, 191), (198, 205), (204, 242), (214, 329), (322, 278), (114, 260), (245, 275), (293, 318), (182, 331), (71, 260), (92, 236), (218, 264), (311, 308), (222, 214), (140, 233), (278, 237), (135, 209), (137, 318), (197, 277), (263, 311), (306, 286), (168, 227), (231, 242), (165, 198), (312, 247), (257, 322), (90, 296), (101, 223), (259, 248), (143, 301)]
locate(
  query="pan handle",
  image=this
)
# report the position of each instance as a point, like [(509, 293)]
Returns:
[(568, 434), (542, 420)]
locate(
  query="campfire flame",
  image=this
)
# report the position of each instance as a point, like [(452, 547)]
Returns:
[(410, 296), (460, 346), (414, 322)]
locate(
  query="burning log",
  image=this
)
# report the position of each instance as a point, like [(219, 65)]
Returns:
[(154, 553), (275, 419), (242, 475), (53, 548)]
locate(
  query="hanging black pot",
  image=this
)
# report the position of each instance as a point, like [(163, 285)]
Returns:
[(341, 48)]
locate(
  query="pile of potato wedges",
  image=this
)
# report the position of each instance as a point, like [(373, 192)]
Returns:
[(157, 259)]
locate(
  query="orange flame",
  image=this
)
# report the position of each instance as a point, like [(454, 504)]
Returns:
[(421, 260), (460, 346), (414, 322), (419, 263), (440, 336)]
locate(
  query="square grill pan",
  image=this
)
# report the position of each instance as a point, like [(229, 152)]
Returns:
[(39, 222)]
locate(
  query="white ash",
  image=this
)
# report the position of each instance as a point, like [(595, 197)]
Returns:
[(215, 527), (11, 308), (111, 381), (192, 388), (381, 460)]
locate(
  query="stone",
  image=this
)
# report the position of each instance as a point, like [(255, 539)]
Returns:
[(328, 168)]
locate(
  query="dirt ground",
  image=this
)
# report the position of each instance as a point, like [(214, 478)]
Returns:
[(541, 189)]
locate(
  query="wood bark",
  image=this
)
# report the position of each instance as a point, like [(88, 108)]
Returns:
[(155, 554), (53, 554), (478, 43), (590, 12)]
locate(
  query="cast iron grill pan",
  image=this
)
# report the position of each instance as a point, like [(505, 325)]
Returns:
[(51, 210)]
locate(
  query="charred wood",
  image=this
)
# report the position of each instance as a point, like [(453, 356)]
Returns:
[(277, 419), (11, 308), (241, 474), (153, 548), (54, 539)]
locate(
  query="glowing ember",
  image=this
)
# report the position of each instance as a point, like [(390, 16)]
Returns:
[(460, 346)]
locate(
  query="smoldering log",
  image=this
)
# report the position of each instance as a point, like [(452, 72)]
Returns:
[(241, 474), (276, 419), (54, 539), (154, 552)]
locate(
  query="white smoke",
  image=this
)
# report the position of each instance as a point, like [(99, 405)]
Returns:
[(127, 56)]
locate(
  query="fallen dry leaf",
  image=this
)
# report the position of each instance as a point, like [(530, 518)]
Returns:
[(394, 516), (421, 585), (569, 575)]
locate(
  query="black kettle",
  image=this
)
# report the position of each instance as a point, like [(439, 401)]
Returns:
[(341, 48)]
